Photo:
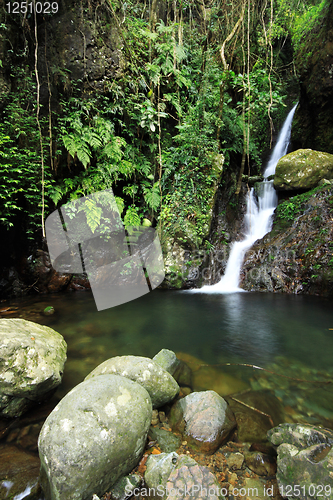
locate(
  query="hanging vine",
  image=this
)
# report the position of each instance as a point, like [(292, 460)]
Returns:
[(38, 122)]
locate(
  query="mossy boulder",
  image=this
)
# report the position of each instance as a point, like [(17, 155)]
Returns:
[(32, 359), (161, 386), (303, 170), (304, 462)]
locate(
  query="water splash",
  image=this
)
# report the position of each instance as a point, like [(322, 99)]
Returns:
[(258, 217)]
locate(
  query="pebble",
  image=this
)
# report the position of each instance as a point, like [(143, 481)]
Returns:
[(235, 460)]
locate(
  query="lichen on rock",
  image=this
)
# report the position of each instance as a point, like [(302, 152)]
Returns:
[(32, 359)]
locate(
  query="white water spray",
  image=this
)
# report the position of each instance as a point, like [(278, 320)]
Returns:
[(258, 218)]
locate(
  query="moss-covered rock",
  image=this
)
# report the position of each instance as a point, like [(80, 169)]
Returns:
[(32, 359), (305, 461), (313, 124), (161, 386), (303, 170)]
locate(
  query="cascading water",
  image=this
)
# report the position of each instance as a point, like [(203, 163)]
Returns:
[(258, 218)]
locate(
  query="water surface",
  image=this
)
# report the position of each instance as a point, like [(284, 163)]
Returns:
[(289, 335)]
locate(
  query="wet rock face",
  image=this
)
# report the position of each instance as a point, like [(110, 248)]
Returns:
[(296, 256), (32, 359), (204, 419), (99, 429), (302, 170), (313, 125), (305, 459)]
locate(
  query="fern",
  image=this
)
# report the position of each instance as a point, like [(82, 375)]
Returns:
[(152, 196), (132, 217), (93, 214)]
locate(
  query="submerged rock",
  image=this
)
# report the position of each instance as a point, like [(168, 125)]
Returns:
[(94, 436), (32, 359), (302, 169), (256, 412), (260, 463), (205, 377), (160, 385), (305, 460), (204, 419)]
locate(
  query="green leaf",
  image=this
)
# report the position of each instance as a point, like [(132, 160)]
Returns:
[(93, 214)]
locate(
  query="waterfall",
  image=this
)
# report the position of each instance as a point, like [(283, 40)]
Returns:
[(258, 217)]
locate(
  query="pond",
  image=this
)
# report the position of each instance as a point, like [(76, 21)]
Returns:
[(281, 343)]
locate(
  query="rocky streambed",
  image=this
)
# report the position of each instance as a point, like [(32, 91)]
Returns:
[(145, 428)]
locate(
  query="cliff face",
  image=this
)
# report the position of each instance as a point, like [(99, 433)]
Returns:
[(297, 255), (79, 45), (313, 126)]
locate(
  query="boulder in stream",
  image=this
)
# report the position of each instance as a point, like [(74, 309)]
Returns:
[(305, 460), (160, 385), (204, 419), (94, 436), (32, 359)]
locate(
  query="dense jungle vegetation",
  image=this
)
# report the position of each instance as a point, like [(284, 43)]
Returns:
[(195, 80)]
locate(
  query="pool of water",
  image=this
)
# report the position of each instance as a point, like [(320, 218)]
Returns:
[(290, 337)]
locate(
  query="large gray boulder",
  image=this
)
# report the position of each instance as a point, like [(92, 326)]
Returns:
[(304, 462), (303, 169), (160, 385), (32, 359), (204, 419), (94, 436)]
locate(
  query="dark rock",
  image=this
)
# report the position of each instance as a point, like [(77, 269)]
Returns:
[(313, 124), (295, 256), (204, 419), (58, 282), (18, 469), (260, 463)]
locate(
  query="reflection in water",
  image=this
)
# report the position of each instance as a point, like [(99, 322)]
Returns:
[(247, 333)]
